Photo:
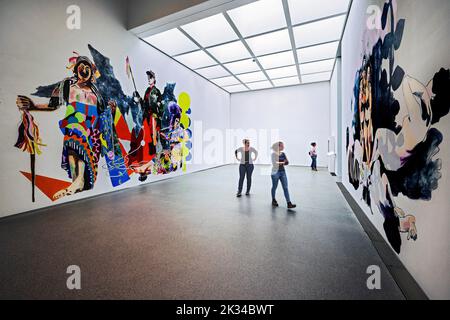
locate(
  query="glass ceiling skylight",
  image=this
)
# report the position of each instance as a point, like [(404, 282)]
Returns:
[(316, 77), (286, 81), (259, 85), (315, 67), (277, 60), (319, 32), (225, 81), (282, 72), (258, 17), (197, 59), (250, 48), (270, 42), (306, 10), (179, 42), (230, 52), (320, 52), (236, 88), (210, 31), (242, 66), (213, 72), (252, 76)]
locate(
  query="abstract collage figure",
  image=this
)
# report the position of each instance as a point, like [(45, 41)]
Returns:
[(385, 156), (102, 121)]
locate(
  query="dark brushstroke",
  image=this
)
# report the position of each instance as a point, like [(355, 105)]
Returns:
[(440, 104), (419, 176), (110, 87), (391, 226), (45, 91), (399, 33)]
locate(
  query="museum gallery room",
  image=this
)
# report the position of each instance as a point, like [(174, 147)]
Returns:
[(225, 150)]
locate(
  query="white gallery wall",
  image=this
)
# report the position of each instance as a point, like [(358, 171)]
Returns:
[(334, 108), (36, 46), (296, 115), (423, 51)]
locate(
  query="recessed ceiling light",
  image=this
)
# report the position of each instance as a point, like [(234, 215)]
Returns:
[(252, 76), (326, 30), (286, 81), (197, 59), (242, 66), (316, 77), (319, 52), (178, 43), (230, 52), (277, 60), (236, 88), (259, 85), (213, 72), (210, 31), (282, 72), (306, 10), (225, 81), (258, 17), (315, 67), (270, 42)]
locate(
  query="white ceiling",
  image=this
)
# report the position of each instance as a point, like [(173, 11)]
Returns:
[(263, 44)]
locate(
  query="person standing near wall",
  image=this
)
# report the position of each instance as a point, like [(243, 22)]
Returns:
[(279, 161), (247, 156), (313, 155)]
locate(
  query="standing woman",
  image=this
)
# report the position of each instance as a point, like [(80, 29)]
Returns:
[(247, 156), (279, 161), (313, 155)]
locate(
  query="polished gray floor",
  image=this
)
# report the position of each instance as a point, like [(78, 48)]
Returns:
[(191, 238)]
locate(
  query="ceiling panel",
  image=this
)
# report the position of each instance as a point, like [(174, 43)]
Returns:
[(320, 52), (306, 10), (252, 76), (179, 42), (242, 66), (258, 17), (319, 66), (277, 60), (197, 59), (210, 31), (213, 72), (259, 85), (316, 77), (282, 72), (230, 52), (270, 42), (319, 32), (236, 88), (286, 81), (225, 81)]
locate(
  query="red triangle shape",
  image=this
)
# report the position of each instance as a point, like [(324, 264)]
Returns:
[(48, 186)]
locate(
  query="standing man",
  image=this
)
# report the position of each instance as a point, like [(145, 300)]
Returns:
[(143, 144)]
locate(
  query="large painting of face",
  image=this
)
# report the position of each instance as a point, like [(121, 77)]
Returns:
[(393, 142)]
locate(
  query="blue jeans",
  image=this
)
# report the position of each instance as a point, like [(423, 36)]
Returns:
[(245, 170), (314, 162), (280, 176)]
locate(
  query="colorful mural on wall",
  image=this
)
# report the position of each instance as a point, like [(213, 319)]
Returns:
[(137, 135), (393, 144)]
